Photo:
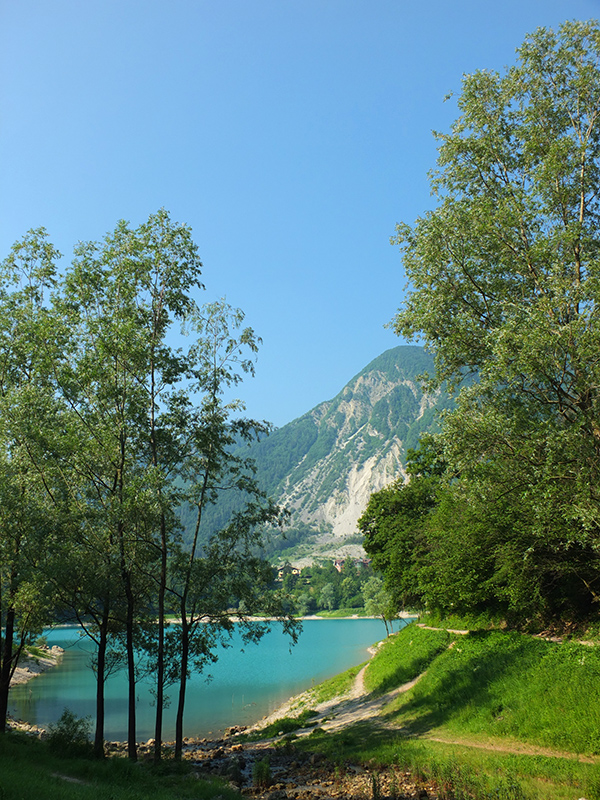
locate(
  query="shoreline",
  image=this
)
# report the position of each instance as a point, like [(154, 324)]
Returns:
[(31, 666)]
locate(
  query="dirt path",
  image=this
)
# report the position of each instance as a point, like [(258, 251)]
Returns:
[(518, 748), (358, 706)]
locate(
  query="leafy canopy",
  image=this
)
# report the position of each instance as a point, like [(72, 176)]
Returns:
[(505, 275)]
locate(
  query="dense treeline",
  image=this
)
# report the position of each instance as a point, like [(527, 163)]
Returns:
[(502, 512), (110, 421), (319, 588), (349, 586)]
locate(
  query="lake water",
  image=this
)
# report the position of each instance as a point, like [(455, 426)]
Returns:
[(244, 687)]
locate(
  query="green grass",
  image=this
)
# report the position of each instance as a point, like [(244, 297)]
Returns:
[(404, 656), (461, 772), (510, 685), (35, 652), (342, 612), (27, 769), (471, 622), (282, 726), (498, 698), (336, 686)]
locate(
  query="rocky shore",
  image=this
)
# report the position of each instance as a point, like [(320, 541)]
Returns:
[(271, 770)]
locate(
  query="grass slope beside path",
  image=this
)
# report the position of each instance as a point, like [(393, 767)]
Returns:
[(492, 714)]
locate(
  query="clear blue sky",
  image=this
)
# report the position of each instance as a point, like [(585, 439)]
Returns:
[(290, 134)]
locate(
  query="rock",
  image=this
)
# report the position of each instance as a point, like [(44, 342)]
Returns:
[(234, 729)]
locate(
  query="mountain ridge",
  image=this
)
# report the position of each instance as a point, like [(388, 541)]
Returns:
[(324, 465)]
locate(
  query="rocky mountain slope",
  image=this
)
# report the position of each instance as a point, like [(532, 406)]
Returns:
[(324, 465)]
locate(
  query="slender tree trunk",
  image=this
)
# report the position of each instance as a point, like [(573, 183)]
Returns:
[(185, 622), (131, 721), (184, 656), (6, 667), (160, 658), (129, 623), (100, 681)]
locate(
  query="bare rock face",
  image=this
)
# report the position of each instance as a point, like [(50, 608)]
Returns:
[(357, 444)]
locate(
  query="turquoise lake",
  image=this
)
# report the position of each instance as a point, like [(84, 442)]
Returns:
[(244, 686)]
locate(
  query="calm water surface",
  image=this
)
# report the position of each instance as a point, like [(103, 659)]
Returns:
[(244, 687)]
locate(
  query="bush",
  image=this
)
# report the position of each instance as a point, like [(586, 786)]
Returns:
[(261, 773), (70, 736)]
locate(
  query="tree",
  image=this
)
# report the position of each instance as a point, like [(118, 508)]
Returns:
[(378, 602), (327, 599), (106, 429), (229, 570), (505, 287), (394, 521), (30, 500), (120, 299)]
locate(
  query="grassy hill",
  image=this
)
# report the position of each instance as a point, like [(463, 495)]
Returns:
[(494, 714)]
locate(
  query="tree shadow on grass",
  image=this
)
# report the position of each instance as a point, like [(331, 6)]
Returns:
[(360, 740), (468, 674), (411, 664)]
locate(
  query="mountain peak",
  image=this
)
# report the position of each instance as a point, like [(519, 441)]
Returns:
[(325, 465)]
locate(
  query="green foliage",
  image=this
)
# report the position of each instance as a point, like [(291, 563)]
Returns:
[(327, 590), (285, 725), (505, 295), (69, 736), (106, 430), (261, 773), (378, 600), (393, 526)]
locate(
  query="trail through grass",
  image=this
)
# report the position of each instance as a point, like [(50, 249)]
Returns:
[(504, 706)]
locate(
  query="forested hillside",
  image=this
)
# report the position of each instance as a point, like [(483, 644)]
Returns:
[(324, 465)]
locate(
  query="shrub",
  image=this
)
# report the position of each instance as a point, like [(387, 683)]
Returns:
[(261, 773), (70, 736)]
